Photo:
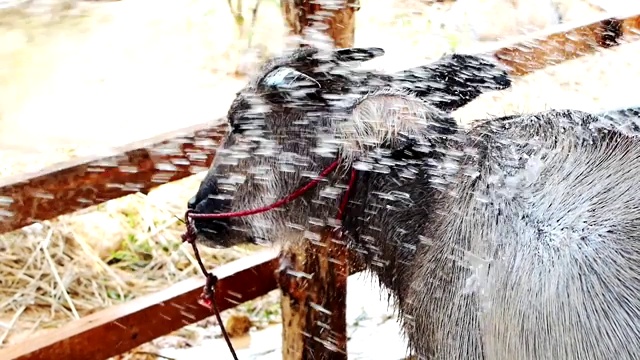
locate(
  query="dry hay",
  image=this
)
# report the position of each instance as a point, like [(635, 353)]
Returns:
[(57, 271), (80, 263)]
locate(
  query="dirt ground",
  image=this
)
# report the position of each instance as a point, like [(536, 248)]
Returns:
[(81, 78)]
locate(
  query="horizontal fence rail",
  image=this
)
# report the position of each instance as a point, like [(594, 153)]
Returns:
[(120, 328), (141, 166), (136, 167), (566, 42)]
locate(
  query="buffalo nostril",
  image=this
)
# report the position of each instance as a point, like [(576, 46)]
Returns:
[(192, 203)]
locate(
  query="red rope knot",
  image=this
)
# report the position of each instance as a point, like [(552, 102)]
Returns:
[(189, 236), (209, 291)]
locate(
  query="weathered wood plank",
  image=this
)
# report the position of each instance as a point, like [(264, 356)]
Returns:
[(333, 18), (78, 184), (565, 42), (121, 328), (314, 305)]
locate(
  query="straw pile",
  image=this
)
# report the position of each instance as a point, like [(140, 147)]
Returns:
[(57, 271)]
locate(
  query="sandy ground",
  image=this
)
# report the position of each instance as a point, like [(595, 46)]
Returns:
[(107, 73)]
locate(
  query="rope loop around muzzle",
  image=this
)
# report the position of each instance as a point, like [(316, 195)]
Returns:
[(207, 298)]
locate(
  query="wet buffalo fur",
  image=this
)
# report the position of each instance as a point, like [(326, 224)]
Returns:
[(515, 239)]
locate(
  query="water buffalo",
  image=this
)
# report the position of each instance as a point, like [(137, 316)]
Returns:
[(517, 238)]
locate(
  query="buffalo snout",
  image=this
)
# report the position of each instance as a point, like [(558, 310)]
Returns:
[(216, 233)]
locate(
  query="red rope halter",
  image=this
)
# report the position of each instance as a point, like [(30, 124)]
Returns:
[(208, 294)]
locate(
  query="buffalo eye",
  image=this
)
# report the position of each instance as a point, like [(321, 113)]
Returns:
[(287, 85)]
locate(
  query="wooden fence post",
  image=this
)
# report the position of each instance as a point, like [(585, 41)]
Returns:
[(314, 305)]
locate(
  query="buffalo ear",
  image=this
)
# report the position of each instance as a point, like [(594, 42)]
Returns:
[(454, 80), (396, 121), (307, 59), (358, 54), (304, 73)]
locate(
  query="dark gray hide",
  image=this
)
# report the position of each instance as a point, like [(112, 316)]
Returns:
[(516, 239)]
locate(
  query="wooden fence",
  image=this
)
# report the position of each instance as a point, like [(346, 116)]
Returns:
[(140, 166)]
